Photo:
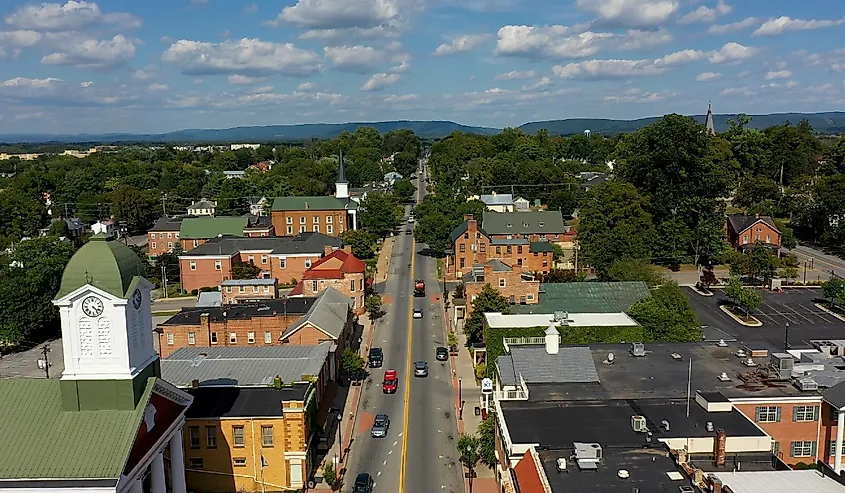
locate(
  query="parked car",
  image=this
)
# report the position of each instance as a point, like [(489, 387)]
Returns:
[(408, 231), (421, 369), (363, 483), (390, 383), (417, 313), (380, 426), (441, 353), (376, 357)]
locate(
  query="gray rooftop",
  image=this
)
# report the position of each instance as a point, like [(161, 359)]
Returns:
[(308, 242), (572, 364), (329, 313), (209, 299), (243, 366), (586, 297), (539, 222), (497, 199)]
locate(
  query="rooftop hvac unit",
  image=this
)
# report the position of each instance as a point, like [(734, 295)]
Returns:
[(638, 423), (587, 451), (807, 384), (782, 364), (561, 464), (638, 349), (686, 489)]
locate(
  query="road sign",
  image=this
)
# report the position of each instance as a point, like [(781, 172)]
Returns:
[(486, 386)]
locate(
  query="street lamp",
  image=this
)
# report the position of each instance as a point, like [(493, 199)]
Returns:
[(469, 458), (786, 338), (460, 399), (340, 434)]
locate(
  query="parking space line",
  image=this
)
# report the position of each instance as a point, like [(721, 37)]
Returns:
[(795, 312), (767, 316), (815, 311), (784, 315)]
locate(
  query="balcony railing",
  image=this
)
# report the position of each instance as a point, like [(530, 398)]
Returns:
[(524, 341), (518, 394)]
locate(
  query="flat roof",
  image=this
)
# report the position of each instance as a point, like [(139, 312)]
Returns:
[(233, 402), (242, 311), (557, 425), (649, 469), (524, 320), (806, 481)]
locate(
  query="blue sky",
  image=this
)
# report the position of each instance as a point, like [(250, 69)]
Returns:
[(156, 65)]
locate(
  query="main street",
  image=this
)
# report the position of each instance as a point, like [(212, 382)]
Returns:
[(418, 455)]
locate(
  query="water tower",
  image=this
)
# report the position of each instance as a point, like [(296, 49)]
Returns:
[(587, 133)]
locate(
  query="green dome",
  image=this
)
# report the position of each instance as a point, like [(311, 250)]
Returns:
[(103, 263)]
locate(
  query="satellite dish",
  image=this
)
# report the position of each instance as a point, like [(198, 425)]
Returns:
[(610, 356)]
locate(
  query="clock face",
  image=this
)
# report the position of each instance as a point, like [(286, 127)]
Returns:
[(92, 306), (136, 299)]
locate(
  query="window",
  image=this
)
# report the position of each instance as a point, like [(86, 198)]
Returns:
[(834, 414), (329, 229), (169, 244), (255, 289), (340, 219), (768, 238), (744, 239), (498, 250), (195, 462), (501, 283), (154, 245), (758, 238), (519, 261), (803, 448), (268, 337), (214, 337), (161, 236), (194, 433), (290, 230), (267, 436), (545, 263), (831, 447), (316, 220), (519, 250), (530, 297), (316, 228), (267, 289), (170, 235), (211, 436), (463, 262), (192, 338), (308, 263), (289, 220), (361, 282), (241, 289), (282, 263), (176, 234), (264, 259), (352, 285), (767, 414), (170, 339), (193, 265), (301, 219), (462, 248), (238, 436), (314, 286), (328, 219), (805, 413), (303, 229), (482, 247), (218, 265), (233, 338), (239, 461), (250, 337), (250, 259)]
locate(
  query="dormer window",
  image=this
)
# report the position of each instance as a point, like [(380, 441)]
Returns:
[(510, 225)]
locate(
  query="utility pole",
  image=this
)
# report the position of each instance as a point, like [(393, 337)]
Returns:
[(164, 278), (163, 204), (44, 362)]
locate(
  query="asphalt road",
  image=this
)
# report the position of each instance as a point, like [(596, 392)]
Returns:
[(418, 455)]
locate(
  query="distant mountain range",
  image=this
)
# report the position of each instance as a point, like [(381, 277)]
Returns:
[(831, 122)]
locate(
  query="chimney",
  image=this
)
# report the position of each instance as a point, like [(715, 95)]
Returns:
[(757, 216), (717, 486), (327, 250), (195, 383), (347, 249), (720, 446), (468, 217), (306, 204), (552, 339), (204, 321)]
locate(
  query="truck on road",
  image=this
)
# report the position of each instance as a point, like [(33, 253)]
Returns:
[(419, 287)]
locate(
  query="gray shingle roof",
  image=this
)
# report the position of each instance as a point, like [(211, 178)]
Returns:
[(167, 224), (835, 395), (741, 222), (497, 199), (540, 222), (243, 366), (586, 297), (329, 313), (570, 365), (308, 242)]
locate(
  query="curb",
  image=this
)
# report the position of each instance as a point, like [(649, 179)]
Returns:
[(829, 311), (737, 319)]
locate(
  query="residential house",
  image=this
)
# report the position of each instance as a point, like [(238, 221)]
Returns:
[(234, 174), (202, 207), (282, 258), (521, 239), (75, 227), (235, 147), (330, 318), (592, 179), (746, 231), (338, 269), (257, 206), (328, 215), (244, 324), (392, 177), (247, 290), (195, 231), (498, 202), (163, 236), (513, 284), (258, 226), (107, 424), (521, 204), (108, 227), (587, 297), (263, 166), (360, 193)]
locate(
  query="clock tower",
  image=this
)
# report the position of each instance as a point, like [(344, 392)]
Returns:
[(107, 334)]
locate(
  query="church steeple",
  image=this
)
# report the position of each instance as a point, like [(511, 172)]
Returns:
[(341, 185), (708, 122)]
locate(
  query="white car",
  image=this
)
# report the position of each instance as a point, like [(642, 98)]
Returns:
[(417, 313), (410, 219)]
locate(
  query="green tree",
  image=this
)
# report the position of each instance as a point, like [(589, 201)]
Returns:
[(635, 270), (245, 270), (615, 225), (138, 209), (667, 316), (404, 190), (405, 163), (487, 440), (363, 242), (488, 300), (59, 229), (380, 214), (747, 299), (834, 290), (330, 475), (374, 306), (452, 341), (469, 453), (351, 363)]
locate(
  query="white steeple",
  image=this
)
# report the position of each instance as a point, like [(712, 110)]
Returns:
[(341, 186)]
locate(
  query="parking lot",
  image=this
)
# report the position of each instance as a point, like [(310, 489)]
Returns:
[(794, 306)]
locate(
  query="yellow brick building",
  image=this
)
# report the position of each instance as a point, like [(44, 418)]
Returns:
[(230, 429)]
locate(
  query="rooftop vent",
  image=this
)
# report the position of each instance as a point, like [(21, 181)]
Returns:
[(724, 377), (722, 343), (665, 424), (676, 356), (306, 204), (623, 474), (638, 349), (749, 362), (709, 426), (609, 360), (561, 464), (807, 384), (686, 489), (638, 423)]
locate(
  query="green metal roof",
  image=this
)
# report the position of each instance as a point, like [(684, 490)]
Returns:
[(586, 297), (539, 222), (196, 228), (541, 246), (325, 203), (107, 264), (41, 441)]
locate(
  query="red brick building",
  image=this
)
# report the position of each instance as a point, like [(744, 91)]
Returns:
[(163, 236), (338, 269), (191, 232), (283, 259), (248, 290), (746, 231), (516, 286)]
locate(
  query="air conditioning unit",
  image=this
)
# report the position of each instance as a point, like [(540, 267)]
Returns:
[(638, 423), (638, 349), (587, 451), (807, 384)]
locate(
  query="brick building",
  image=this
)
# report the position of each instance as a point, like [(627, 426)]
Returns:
[(284, 259), (191, 232), (163, 236), (247, 290), (340, 270), (516, 286), (245, 324), (328, 215), (746, 231), (522, 239), (330, 318)]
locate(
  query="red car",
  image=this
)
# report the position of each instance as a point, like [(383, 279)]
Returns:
[(391, 381)]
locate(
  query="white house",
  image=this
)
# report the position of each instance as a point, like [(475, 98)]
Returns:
[(108, 227), (202, 207)]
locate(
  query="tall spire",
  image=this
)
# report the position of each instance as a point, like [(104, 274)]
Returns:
[(341, 172), (341, 185), (711, 126)]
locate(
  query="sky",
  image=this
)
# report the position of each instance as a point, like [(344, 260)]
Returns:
[(151, 66)]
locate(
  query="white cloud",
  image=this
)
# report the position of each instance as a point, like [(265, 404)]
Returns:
[(49, 82), (636, 40), (143, 73), (635, 96), (631, 13), (516, 74), (459, 44), (611, 69), (158, 87), (72, 16), (86, 84), (379, 81), (246, 57), (335, 14), (544, 81), (251, 8), (707, 14), (305, 86), (778, 74), (562, 42), (19, 38), (243, 80), (92, 53), (400, 98), (733, 27), (359, 59), (707, 76), (784, 24), (733, 53), (737, 91)]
